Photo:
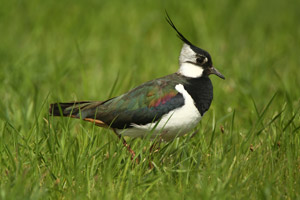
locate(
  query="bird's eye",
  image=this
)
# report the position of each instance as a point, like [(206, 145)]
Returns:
[(201, 60)]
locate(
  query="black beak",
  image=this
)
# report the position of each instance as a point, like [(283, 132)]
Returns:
[(213, 70)]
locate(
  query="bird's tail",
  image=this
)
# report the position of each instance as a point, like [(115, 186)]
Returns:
[(71, 109), (85, 110)]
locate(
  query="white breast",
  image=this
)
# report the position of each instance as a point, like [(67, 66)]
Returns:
[(175, 123)]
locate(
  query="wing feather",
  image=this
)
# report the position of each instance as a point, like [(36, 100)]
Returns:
[(142, 105)]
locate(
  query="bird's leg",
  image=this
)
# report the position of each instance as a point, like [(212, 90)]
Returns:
[(126, 145), (152, 148), (194, 133)]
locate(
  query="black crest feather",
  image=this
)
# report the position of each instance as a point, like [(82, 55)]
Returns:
[(178, 33)]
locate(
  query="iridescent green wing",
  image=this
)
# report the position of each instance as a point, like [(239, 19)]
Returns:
[(142, 105)]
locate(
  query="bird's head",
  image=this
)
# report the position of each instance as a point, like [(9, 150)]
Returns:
[(194, 62)]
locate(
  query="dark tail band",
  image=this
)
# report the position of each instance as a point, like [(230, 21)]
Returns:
[(68, 109)]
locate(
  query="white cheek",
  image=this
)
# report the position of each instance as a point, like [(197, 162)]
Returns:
[(186, 54), (190, 70)]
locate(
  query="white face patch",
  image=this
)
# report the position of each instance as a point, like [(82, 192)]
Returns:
[(187, 54), (186, 58), (190, 70)]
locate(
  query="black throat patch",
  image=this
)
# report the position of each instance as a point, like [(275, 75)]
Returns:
[(201, 90)]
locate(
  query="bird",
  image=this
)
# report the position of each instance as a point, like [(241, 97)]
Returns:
[(166, 107)]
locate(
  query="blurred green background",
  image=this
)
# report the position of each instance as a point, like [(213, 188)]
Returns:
[(90, 50)]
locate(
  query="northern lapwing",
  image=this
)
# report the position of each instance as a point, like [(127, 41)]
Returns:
[(167, 107)]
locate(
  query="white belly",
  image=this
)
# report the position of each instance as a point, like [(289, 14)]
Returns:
[(175, 123)]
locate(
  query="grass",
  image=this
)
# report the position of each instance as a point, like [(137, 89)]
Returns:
[(247, 144)]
